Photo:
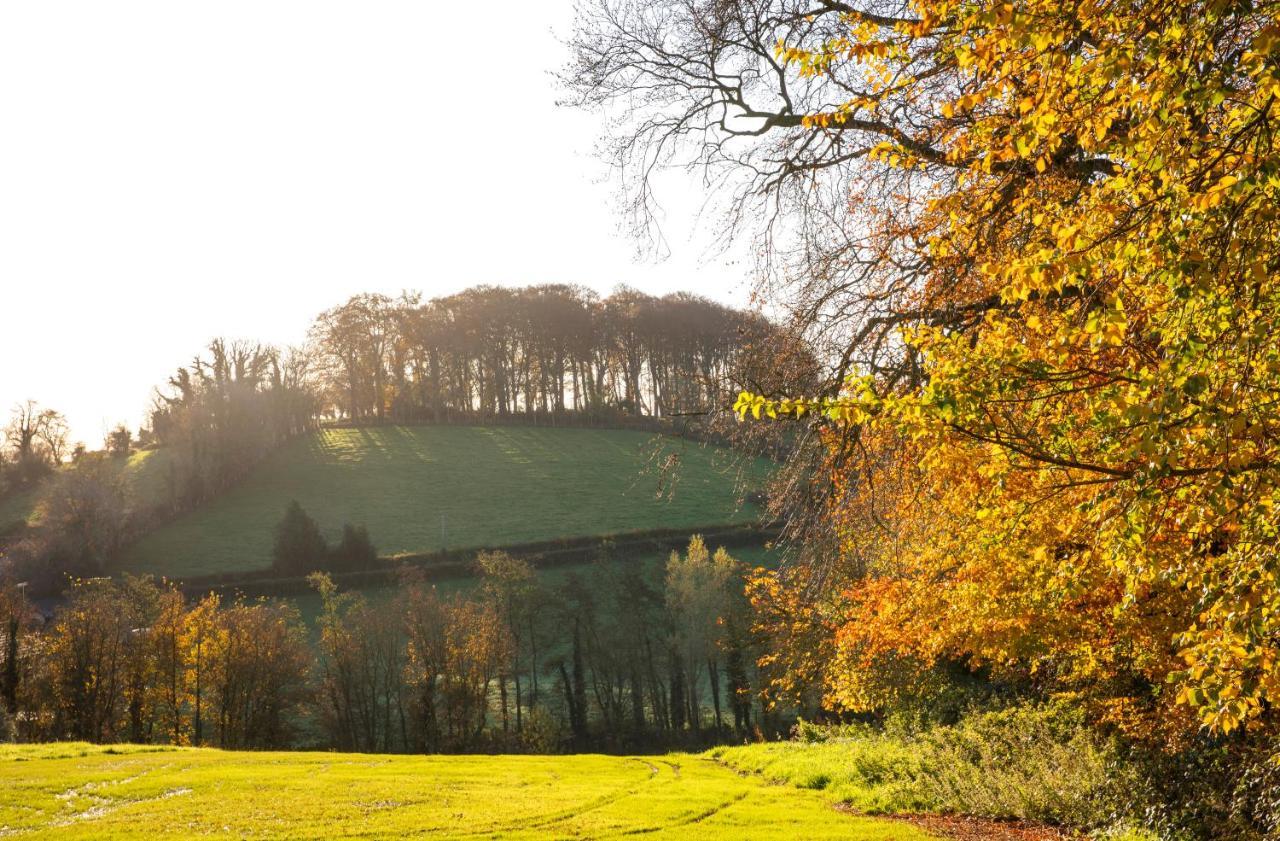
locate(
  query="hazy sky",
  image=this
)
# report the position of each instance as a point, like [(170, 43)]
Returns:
[(171, 171)]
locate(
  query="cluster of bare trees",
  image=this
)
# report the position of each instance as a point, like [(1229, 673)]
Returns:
[(540, 350), (229, 407), (32, 444), (83, 516), (216, 418), (615, 658), (423, 684)]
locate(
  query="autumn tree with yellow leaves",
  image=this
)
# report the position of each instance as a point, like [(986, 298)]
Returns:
[(1038, 243)]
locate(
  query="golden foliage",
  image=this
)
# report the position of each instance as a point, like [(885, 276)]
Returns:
[(1091, 487)]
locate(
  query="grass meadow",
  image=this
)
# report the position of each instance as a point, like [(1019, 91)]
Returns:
[(421, 489), (73, 790)]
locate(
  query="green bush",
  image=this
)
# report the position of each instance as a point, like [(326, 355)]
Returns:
[(355, 551), (541, 732), (1030, 763), (1037, 763), (299, 547)]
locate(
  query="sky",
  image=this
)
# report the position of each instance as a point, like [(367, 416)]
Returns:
[(175, 171)]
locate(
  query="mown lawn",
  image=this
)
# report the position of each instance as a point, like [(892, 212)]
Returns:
[(420, 489), (82, 791)]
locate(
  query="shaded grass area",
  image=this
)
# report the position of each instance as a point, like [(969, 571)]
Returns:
[(82, 791), (427, 488)]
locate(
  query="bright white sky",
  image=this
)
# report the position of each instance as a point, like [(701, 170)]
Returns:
[(172, 171)]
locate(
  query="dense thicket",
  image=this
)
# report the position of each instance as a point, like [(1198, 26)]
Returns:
[(540, 350)]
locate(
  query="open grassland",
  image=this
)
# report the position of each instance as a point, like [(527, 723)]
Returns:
[(422, 489), (82, 791)]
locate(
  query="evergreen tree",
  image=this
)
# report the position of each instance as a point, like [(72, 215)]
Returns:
[(299, 546), (355, 551)]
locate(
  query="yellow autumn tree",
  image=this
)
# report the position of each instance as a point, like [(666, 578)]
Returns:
[(1094, 451), (1038, 242)]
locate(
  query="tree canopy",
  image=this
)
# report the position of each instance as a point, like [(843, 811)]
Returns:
[(534, 351), (1041, 242)]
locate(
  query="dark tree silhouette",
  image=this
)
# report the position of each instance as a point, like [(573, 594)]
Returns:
[(299, 546)]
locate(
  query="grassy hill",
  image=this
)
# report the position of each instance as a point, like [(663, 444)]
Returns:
[(83, 791), (421, 489)]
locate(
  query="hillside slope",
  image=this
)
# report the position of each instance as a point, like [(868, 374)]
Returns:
[(82, 791), (421, 489), (143, 476)]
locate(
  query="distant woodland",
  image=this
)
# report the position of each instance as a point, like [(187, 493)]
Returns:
[(539, 354), (611, 659), (494, 351)]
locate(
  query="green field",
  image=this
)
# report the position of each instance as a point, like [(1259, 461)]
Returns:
[(421, 489), (84, 791)]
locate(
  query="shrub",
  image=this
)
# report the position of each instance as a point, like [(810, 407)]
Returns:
[(8, 728), (300, 547), (1038, 763), (355, 551), (119, 440), (541, 732)]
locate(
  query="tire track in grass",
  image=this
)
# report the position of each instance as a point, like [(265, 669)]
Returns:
[(689, 820), (104, 806), (546, 821)]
